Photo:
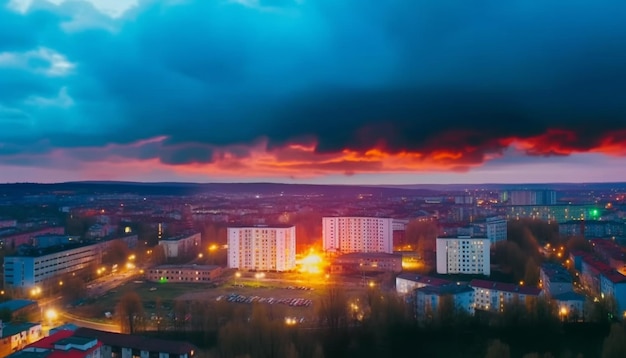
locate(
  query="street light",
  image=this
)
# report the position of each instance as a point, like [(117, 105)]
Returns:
[(51, 315)]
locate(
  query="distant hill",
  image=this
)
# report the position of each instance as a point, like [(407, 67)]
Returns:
[(273, 189)]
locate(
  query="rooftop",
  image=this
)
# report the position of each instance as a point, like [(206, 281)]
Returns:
[(11, 329), (181, 236), (136, 341), (466, 237), (614, 276), (15, 305), (261, 226), (506, 287), (428, 280), (369, 255), (186, 267), (596, 264), (556, 272)]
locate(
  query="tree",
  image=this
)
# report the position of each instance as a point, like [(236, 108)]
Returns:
[(497, 349), (333, 311), (614, 345), (531, 273), (116, 253), (73, 287), (422, 236), (579, 243), (130, 312)]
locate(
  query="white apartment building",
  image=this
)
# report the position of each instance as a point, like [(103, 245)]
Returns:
[(357, 234), (464, 255), (181, 246), (407, 282), (34, 267), (262, 248), (496, 296), (555, 279), (496, 229)]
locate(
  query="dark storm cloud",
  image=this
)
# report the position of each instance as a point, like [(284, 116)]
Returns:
[(418, 76)]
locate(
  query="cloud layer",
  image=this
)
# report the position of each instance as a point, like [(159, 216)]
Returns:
[(307, 88)]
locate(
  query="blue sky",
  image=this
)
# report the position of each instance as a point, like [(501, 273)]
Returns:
[(302, 91)]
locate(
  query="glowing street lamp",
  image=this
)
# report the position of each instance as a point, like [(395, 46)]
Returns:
[(563, 313), (51, 315)]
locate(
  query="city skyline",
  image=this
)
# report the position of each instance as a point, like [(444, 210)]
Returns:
[(312, 91)]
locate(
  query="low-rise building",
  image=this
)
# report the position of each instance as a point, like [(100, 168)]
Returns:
[(430, 301), (406, 283), (20, 308), (570, 306), (61, 344), (613, 284), (15, 336), (132, 345), (366, 262), (555, 279), (183, 273), (591, 269), (496, 296)]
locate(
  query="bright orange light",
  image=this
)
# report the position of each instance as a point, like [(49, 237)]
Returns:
[(213, 247), (312, 263)]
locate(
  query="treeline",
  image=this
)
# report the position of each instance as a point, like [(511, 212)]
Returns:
[(380, 326)]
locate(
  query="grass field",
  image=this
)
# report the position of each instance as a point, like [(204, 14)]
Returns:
[(277, 286)]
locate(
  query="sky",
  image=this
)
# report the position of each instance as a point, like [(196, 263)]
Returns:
[(313, 91)]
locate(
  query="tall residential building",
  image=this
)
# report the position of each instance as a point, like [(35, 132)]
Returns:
[(357, 234), (496, 229), (463, 254), (264, 248)]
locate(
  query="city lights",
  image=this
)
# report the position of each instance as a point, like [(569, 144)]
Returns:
[(35, 291)]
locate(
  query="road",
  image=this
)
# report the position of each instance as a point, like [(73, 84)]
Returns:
[(70, 318)]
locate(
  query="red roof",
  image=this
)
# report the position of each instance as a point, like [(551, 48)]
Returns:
[(48, 342), (614, 277), (506, 287), (597, 264)]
